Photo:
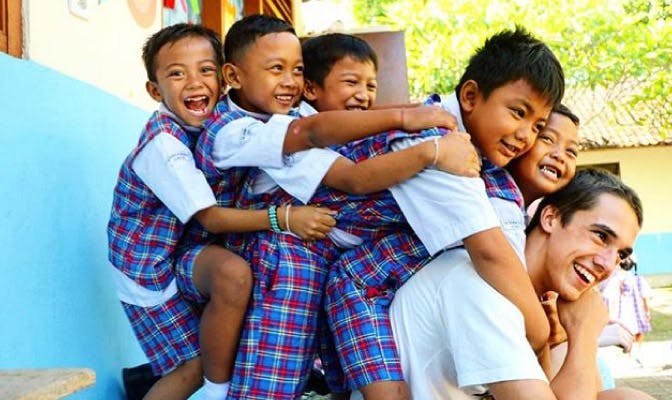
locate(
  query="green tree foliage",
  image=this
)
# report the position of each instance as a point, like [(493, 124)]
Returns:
[(622, 46)]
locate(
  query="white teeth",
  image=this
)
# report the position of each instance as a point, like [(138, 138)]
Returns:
[(550, 171), (590, 278), (196, 98)]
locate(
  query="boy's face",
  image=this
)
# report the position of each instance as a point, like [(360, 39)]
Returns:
[(589, 247), (504, 125), (188, 81), (551, 162), (350, 85), (269, 77)]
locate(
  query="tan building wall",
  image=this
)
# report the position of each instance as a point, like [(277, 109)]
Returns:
[(102, 48), (648, 170)]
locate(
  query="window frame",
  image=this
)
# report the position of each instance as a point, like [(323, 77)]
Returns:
[(11, 36)]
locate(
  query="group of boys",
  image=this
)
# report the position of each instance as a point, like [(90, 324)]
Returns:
[(251, 231)]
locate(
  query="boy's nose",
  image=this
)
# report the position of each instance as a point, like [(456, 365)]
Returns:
[(557, 154), (289, 79), (525, 135)]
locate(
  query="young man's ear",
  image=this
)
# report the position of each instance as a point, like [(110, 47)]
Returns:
[(469, 92), (309, 90), (152, 89), (549, 219), (231, 76)]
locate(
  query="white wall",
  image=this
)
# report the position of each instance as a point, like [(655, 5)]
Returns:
[(103, 50)]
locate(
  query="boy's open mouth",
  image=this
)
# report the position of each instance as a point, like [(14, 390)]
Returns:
[(197, 104)]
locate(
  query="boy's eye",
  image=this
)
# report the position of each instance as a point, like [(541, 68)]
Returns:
[(175, 73), (351, 82), (573, 153), (276, 67), (539, 127), (519, 112), (207, 70), (546, 138), (298, 70), (372, 87)]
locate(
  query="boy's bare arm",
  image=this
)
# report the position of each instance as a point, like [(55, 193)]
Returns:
[(452, 153), (334, 127), (309, 223), (497, 263)]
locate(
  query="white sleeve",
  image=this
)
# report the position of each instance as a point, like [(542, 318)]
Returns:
[(443, 208), (303, 172), (248, 142), (167, 167)]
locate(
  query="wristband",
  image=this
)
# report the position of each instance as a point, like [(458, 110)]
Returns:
[(273, 218)]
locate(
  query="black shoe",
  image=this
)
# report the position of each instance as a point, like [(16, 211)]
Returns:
[(317, 382), (138, 380)]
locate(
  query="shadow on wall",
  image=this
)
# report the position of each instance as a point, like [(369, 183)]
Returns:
[(63, 142)]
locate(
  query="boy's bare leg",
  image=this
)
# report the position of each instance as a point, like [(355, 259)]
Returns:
[(386, 390), (179, 384), (227, 280), (623, 394)]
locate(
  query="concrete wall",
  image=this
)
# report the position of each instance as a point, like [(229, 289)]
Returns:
[(62, 144), (647, 170)]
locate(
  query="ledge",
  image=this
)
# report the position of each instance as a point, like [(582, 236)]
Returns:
[(44, 384)]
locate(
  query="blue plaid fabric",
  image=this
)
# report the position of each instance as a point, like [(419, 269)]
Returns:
[(500, 184), (278, 338), (167, 333), (358, 348), (142, 233)]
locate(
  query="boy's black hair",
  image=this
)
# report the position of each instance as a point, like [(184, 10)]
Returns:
[(244, 32), (322, 52), (172, 34), (582, 194), (509, 56), (564, 110)]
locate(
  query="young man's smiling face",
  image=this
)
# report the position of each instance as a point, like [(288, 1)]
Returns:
[(551, 162), (505, 124), (350, 85), (188, 80), (269, 77), (588, 248)]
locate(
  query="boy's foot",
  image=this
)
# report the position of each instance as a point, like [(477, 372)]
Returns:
[(138, 380), (316, 383)]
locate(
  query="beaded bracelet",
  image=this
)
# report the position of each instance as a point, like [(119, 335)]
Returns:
[(273, 218)]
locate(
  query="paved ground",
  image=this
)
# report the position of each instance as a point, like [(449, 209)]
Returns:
[(653, 373)]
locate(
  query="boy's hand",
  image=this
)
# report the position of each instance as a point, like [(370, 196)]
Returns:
[(309, 222), (425, 117), (586, 316), (454, 153), (550, 304)]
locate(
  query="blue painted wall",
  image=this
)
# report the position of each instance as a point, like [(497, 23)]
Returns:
[(654, 253), (62, 143)]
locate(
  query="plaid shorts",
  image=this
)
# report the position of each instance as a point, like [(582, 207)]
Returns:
[(359, 291), (168, 332), (279, 335)]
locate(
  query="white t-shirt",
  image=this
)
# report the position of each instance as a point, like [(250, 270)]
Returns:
[(452, 328), (442, 208)]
